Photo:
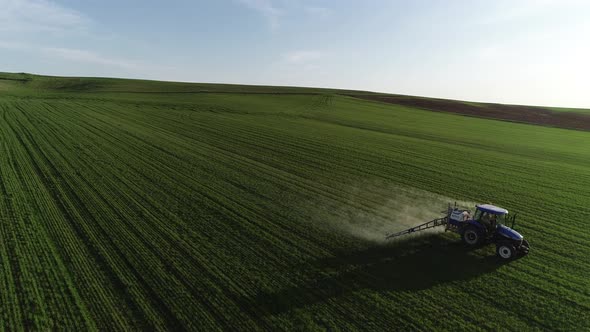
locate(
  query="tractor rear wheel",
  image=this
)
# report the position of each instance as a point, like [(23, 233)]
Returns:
[(505, 251), (471, 236)]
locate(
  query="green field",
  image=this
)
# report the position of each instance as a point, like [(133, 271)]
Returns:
[(148, 205), (571, 110)]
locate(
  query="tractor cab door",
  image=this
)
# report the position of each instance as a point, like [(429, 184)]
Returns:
[(477, 215), (487, 220)]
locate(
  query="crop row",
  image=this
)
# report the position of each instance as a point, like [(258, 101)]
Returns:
[(225, 212)]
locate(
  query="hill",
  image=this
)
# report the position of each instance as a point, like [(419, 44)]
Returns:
[(569, 118)]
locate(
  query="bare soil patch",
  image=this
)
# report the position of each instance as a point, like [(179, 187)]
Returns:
[(516, 113)]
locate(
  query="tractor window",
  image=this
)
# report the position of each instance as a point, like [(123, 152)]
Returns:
[(477, 215), (500, 218)]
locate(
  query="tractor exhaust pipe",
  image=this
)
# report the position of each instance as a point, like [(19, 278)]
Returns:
[(513, 221)]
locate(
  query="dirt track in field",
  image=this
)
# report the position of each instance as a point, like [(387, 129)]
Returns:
[(516, 113)]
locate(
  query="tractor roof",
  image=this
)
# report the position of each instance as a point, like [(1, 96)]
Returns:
[(491, 209)]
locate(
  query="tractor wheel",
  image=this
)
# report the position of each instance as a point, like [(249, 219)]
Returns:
[(505, 251), (471, 237)]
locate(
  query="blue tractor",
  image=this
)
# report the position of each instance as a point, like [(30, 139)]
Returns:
[(487, 225)]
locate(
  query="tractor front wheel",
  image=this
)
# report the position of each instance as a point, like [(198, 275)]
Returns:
[(505, 251), (471, 236)]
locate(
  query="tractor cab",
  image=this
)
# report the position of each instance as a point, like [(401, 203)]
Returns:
[(494, 220), (490, 216)]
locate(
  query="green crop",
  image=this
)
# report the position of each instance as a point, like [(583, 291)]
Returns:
[(148, 205)]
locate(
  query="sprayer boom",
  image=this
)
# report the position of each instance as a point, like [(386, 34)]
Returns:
[(427, 225)]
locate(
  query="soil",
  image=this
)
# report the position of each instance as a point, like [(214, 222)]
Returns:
[(516, 113)]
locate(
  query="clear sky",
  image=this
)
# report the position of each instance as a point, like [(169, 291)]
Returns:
[(509, 51)]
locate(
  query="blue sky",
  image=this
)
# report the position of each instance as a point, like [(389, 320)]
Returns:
[(516, 51)]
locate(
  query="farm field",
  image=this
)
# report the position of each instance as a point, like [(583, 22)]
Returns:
[(153, 205), (569, 118)]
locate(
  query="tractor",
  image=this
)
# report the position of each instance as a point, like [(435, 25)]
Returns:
[(487, 225)]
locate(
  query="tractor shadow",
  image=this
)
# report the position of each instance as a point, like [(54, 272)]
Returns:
[(412, 265)]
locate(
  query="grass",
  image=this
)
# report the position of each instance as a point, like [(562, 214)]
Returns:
[(570, 110), (150, 205)]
